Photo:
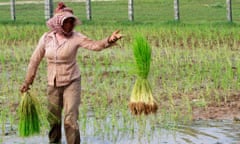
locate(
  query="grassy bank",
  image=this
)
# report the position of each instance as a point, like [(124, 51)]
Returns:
[(146, 11)]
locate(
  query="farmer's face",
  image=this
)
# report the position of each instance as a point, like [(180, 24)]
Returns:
[(68, 24)]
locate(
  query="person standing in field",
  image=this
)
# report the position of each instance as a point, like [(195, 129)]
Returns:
[(60, 46)]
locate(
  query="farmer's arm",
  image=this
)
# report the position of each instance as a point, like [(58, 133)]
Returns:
[(33, 64), (87, 43)]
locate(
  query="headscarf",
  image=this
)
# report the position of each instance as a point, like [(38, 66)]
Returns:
[(60, 15)]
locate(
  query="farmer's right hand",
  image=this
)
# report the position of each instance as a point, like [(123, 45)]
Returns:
[(115, 37), (24, 88)]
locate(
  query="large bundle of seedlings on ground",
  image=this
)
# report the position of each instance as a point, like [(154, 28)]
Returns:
[(29, 116), (142, 100)]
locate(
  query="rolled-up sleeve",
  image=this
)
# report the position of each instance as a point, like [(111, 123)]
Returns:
[(35, 60), (95, 45)]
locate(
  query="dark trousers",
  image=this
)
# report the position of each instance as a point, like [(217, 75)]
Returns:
[(67, 98)]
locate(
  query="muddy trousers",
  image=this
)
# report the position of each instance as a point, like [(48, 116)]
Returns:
[(67, 98)]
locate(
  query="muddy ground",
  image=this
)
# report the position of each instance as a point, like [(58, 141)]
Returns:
[(224, 110)]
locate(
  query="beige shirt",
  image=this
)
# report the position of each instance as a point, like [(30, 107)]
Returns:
[(61, 57)]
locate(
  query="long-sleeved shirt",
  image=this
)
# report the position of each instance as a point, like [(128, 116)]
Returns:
[(62, 67)]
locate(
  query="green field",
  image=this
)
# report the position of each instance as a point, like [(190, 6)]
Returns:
[(195, 62), (151, 11)]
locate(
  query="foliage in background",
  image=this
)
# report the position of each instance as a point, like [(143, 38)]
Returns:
[(146, 11)]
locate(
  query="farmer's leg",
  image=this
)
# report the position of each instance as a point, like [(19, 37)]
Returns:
[(55, 104), (71, 101)]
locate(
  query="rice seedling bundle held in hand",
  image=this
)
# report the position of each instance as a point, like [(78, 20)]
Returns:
[(29, 123), (142, 100)]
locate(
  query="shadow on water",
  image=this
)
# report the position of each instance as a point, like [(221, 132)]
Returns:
[(199, 132)]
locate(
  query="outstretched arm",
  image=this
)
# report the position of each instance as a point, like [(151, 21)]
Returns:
[(100, 44), (33, 64)]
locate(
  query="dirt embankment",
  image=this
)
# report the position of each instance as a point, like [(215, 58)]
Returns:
[(229, 109)]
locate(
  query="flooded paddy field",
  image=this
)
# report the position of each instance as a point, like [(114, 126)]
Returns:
[(211, 132), (194, 77)]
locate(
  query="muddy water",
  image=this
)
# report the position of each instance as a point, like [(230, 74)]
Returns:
[(200, 132)]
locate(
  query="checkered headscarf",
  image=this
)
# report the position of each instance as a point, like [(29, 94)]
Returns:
[(61, 13)]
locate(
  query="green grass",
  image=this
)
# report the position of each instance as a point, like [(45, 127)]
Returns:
[(151, 11)]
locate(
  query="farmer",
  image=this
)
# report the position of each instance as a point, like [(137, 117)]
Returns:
[(60, 46)]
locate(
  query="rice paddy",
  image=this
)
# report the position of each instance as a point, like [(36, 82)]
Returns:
[(192, 67), (194, 75)]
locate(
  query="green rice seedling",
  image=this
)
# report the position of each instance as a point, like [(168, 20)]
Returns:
[(3, 115), (29, 122), (142, 100)]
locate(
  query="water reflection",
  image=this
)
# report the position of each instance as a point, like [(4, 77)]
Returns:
[(199, 132)]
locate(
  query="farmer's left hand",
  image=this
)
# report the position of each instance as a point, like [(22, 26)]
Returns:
[(115, 37)]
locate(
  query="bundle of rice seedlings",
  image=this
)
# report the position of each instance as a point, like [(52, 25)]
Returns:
[(29, 123), (142, 100)]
